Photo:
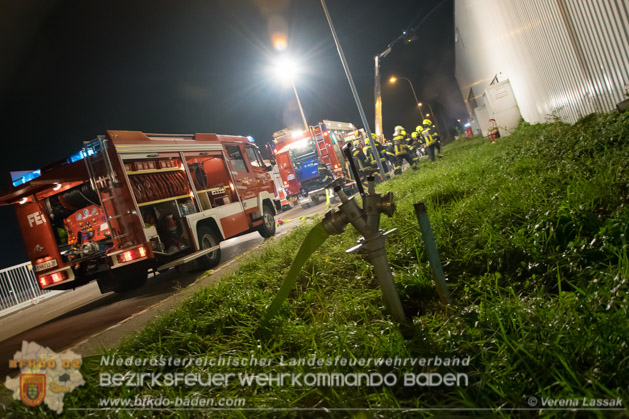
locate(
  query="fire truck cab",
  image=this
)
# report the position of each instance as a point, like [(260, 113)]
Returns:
[(129, 202)]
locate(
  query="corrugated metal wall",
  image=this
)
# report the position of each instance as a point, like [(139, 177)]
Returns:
[(563, 57)]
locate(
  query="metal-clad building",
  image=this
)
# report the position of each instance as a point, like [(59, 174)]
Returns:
[(562, 57)]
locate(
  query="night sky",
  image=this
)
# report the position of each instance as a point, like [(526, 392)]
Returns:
[(72, 69)]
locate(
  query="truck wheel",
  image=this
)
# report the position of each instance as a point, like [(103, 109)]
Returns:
[(209, 238), (267, 228)]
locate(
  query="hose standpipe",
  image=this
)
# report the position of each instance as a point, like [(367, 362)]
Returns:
[(367, 221)]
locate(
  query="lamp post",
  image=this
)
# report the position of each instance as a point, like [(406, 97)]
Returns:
[(393, 79), (378, 92), (301, 110), (286, 69)]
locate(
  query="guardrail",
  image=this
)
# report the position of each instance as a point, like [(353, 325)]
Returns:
[(19, 288)]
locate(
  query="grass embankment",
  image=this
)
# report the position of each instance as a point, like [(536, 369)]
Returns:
[(532, 233)]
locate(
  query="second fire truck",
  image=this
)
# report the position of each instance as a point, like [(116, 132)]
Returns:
[(298, 154)]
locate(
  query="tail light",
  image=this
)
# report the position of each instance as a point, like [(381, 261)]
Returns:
[(131, 255), (55, 278)]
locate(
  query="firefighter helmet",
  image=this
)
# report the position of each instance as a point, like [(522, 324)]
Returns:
[(414, 135), (398, 130), (427, 122), (419, 128)]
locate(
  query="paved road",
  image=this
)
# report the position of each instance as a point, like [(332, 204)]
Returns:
[(73, 317)]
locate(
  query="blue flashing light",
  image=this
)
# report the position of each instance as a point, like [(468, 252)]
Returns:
[(27, 177), (250, 138), (80, 155), (19, 178)]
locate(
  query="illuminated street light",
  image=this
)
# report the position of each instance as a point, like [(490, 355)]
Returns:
[(286, 70), (432, 113), (393, 79)]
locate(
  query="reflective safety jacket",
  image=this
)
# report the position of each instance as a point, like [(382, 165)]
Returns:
[(325, 176), (382, 151), (399, 144), (390, 152), (429, 139), (418, 137), (359, 158), (371, 156)]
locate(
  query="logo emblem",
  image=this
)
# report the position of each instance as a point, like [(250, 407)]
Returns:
[(45, 376), (32, 389)]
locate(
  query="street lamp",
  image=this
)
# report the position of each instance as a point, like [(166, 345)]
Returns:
[(431, 112), (286, 70), (393, 79)]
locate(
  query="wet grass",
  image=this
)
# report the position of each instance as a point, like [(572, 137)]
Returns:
[(532, 233)]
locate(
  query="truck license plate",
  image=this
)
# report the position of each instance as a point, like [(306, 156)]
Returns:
[(46, 265)]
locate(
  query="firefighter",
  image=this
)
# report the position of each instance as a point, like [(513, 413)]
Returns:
[(325, 177), (390, 155), (382, 153), (437, 138), (371, 157), (429, 139), (412, 146), (384, 157), (420, 145), (401, 150), (359, 159)]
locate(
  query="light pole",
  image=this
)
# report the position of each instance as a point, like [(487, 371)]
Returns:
[(378, 92), (410, 37), (301, 110), (393, 79), (286, 69)]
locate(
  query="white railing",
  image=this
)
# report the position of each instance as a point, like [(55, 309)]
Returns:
[(19, 288)]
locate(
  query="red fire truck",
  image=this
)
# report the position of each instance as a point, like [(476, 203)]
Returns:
[(298, 154), (129, 202)]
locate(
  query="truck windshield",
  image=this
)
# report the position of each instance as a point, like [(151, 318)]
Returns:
[(305, 149)]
